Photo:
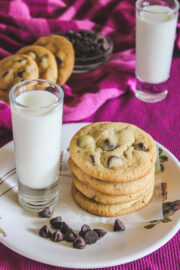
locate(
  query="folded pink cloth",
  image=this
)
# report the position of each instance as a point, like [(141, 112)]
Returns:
[(105, 94), (84, 94)]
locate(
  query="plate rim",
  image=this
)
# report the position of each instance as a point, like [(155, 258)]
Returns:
[(119, 261)]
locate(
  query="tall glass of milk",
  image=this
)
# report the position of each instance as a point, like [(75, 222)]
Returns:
[(156, 22), (36, 109)]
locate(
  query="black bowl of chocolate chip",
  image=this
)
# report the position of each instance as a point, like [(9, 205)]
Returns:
[(91, 49)]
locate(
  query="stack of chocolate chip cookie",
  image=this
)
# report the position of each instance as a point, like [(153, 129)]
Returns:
[(50, 58), (113, 168)]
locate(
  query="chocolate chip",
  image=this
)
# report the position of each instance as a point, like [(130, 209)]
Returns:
[(59, 61), (57, 236), (110, 159), (84, 229), (78, 142), (70, 236), (118, 226), (45, 212), (108, 145), (100, 232), (79, 243), (92, 159), (56, 222), (87, 43), (5, 73), (141, 147), (64, 227), (45, 231), (20, 73), (90, 237)]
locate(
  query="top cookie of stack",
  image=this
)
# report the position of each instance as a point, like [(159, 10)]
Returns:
[(116, 160), (50, 58)]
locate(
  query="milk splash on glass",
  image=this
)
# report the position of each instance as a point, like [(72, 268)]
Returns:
[(36, 108), (155, 35)]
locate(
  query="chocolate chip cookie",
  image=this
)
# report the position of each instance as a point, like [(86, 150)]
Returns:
[(110, 210), (113, 152), (115, 189), (64, 53), (14, 69), (109, 199), (45, 60)]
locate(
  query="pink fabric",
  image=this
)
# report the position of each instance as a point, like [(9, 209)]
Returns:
[(105, 94)]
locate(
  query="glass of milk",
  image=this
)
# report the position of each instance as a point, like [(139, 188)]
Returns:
[(156, 22), (36, 109)]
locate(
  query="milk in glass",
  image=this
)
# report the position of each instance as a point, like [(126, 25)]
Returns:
[(37, 136), (155, 34)]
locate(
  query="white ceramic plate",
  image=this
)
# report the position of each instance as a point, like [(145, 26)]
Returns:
[(21, 227)]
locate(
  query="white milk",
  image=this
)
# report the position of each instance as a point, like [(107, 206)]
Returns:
[(37, 137), (155, 34)]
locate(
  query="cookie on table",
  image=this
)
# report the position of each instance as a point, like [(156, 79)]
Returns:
[(110, 210), (109, 199), (113, 152), (109, 188), (45, 60), (63, 50), (14, 69)]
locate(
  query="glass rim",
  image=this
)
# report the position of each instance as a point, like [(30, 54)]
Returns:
[(173, 10), (14, 102)]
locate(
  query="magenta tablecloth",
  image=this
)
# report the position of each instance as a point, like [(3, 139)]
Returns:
[(102, 95)]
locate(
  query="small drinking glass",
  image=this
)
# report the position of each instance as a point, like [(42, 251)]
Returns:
[(156, 22), (36, 109)]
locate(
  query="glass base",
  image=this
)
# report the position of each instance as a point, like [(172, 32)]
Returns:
[(151, 92), (37, 199)]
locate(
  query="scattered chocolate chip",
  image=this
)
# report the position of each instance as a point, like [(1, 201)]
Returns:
[(79, 243), (118, 226), (45, 212), (100, 232), (57, 236), (70, 236), (84, 229), (20, 73), (59, 61), (110, 159), (108, 145), (92, 159), (45, 231), (5, 73), (90, 237), (64, 227), (141, 147), (56, 222), (20, 60)]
